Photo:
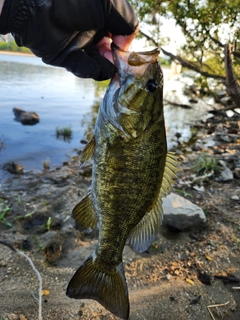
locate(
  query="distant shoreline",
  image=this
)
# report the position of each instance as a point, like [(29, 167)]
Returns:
[(16, 53)]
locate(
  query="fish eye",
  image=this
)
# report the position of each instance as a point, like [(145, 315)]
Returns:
[(151, 85)]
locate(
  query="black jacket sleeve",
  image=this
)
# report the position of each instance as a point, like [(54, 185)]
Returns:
[(65, 32)]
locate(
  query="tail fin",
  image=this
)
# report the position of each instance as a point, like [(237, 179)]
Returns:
[(107, 287)]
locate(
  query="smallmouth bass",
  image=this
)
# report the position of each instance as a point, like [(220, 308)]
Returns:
[(131, 173)]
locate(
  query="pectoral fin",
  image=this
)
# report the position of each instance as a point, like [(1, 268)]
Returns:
[(83, 214), (141, 237), (87, 152)]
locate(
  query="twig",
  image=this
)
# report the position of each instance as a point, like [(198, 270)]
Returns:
[(214, 306), (10, 246), (185, 106), (236, 288)]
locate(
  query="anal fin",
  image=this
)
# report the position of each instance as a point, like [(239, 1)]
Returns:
[(142, 235), (83, 214)]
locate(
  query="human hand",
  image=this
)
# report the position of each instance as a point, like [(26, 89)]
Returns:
[(72, 34)]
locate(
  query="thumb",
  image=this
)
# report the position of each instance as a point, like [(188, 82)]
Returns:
[(85, 66)]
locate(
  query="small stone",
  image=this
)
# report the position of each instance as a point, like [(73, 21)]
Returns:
[(168, 276), (13, 167), (235, 197), (226, 174)]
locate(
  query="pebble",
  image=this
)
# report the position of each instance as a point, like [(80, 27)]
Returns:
[(235, 197)]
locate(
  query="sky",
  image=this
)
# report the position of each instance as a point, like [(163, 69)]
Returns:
[(168, 29)]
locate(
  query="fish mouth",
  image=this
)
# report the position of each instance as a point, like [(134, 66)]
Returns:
[(132, 63), (120, 58)]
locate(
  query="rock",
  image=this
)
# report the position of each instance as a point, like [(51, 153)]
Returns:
[(26, 118), (235, 197), (13, 167), (236, 173), (226, 174), (205, 278), (219, 94), (52, 243), (193, 101), (226, 101), (180, 213)]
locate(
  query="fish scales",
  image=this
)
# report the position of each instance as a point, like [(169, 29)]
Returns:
[(131, 172)]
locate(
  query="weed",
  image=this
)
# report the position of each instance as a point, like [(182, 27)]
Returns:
[(2, 145), (19, 199), (46, 164), (48, 225), (27, 215), (182, 192), (4, 208), (205, 165), (237, 241), (45, 203), (64, 133)]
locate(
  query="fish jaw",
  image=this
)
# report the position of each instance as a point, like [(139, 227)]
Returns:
[(132, 63), (135, 93)]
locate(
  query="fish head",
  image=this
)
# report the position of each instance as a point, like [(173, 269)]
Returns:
[(139, 83)]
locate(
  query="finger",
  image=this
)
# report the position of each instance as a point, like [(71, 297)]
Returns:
[(107, 69), (124, 42), (104, 48)]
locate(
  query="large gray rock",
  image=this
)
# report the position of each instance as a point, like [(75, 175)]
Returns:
[(181, 213)]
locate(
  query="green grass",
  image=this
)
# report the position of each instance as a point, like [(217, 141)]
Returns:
[(4, 209), (48, 225), (205, 164), (27, 215), (64, 133)]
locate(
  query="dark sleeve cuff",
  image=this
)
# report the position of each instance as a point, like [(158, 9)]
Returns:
[(10, 15), (4, 17)]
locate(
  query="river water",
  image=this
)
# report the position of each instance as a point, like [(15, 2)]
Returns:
[(61, 99)]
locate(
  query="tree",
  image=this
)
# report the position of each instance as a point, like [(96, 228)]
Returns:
[(208, 25)]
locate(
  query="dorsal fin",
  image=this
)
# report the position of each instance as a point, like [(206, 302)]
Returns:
[(87, 152), (169, 174), (141, 236), (83, 214)]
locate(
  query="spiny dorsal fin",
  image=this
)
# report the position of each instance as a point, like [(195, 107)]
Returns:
[(94, 281), (83, 214), (87, 152), (169, 174), (141, 237)]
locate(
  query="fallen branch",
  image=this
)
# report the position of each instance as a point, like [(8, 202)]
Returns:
[(214, 306), (185, 106), (10, 246)]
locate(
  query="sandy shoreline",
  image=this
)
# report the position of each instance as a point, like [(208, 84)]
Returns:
[(17, 53)]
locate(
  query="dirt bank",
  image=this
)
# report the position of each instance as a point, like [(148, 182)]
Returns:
[(181, 275)]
